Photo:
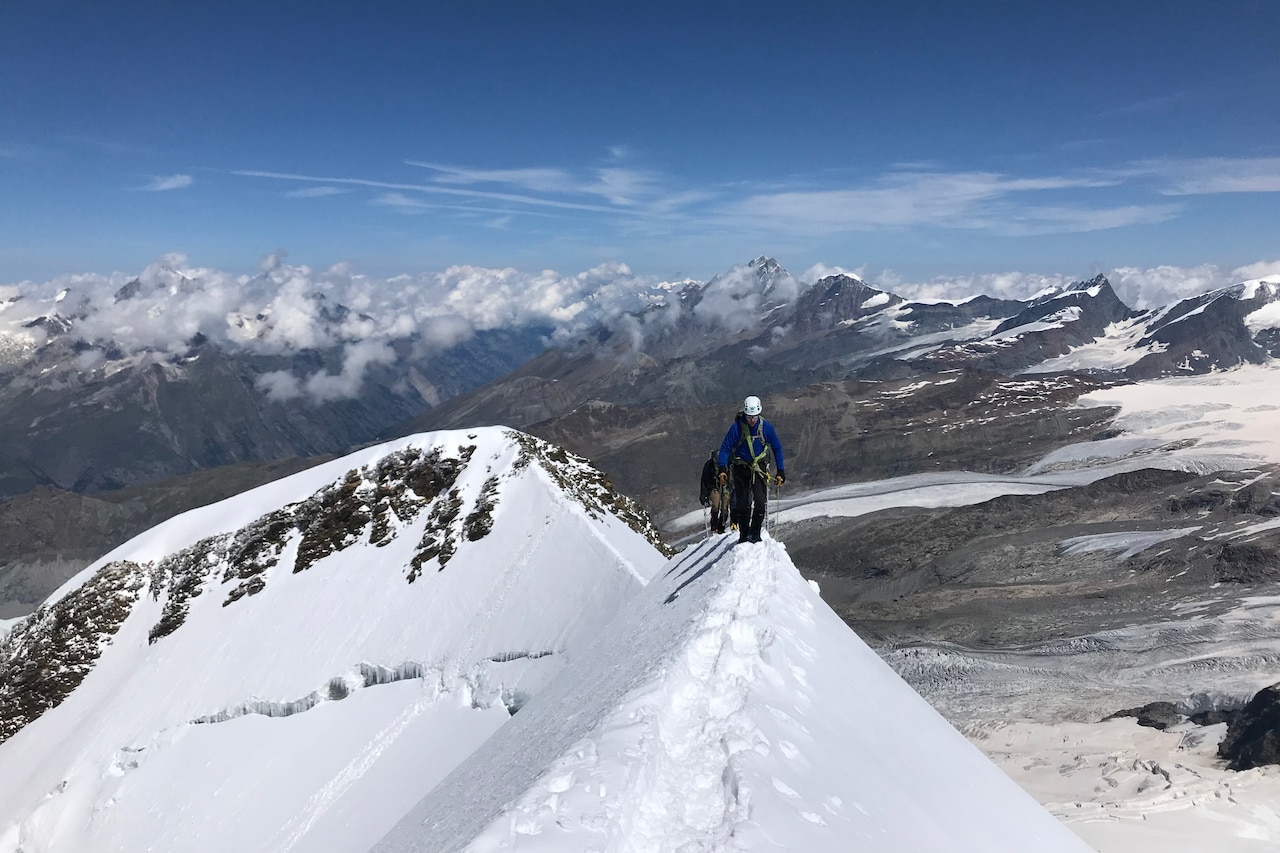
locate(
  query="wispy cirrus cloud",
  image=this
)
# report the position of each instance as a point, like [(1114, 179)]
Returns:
[(317, 192), (428, 189), (986, 201), (907, 196), (1032, 221), (164, 183), (618, 185), (1157, 103), (401, 203), (534, 179), (1213, 175)]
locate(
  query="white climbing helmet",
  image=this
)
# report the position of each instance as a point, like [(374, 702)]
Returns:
[(751, 405)]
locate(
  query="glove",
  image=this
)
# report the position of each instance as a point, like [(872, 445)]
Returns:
[(706, 501), (724, 476), (782, 477)]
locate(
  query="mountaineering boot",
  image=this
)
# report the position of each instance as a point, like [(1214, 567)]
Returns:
[(744, 536)]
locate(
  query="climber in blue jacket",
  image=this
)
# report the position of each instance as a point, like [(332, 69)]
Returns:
[(743, 451)]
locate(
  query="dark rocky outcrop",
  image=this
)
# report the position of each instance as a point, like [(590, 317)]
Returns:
[(1253, 739), (1247, 563), (1153, 715), (54, 649)]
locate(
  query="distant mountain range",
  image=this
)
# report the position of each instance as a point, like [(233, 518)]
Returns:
[(734, 335), (85, 414), (89, 416), (644, 395)]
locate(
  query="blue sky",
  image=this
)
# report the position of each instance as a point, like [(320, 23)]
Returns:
[(927, 138)]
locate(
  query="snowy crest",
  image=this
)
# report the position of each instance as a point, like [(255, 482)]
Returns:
[(455, 572), (728, 709)]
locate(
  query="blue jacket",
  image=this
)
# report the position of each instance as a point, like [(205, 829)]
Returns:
[(753, 447)]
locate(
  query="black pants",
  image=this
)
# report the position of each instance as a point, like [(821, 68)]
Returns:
[(750, 498)]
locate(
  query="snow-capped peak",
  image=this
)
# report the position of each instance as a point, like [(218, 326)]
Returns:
[(1267, 289), (454, 572)]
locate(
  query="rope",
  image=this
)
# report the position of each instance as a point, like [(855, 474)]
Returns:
[(772, 520)]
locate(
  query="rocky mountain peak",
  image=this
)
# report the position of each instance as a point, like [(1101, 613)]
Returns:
[(765, 266), (1098, 281), (837, 299), (128, 291)]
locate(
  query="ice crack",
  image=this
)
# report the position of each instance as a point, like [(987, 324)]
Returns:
[(364, 675)]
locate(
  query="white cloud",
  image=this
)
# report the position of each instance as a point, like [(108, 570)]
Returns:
[(819, 271), (285, 308), (1075, 220), (1255, 271), (907, 197), (279, 385), (1005, 285), (1155, 286), (537, 179), (624, 186), (317, 192), (168, 182), (618, 185), (738, 299), (401, 203), (964, 200), (273, 261), (1212, 175), (435, 189), (357, 357)]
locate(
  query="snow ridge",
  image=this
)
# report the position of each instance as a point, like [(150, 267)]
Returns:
[(110, 692), (727, 709)]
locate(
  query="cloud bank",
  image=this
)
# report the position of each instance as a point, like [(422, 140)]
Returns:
[(287, 309)]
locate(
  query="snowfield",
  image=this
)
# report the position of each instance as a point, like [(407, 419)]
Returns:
[(728, 709), (1226, 420)]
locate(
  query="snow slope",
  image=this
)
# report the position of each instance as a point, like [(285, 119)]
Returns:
[(380, 634), (728, 709), (1223, 420)]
